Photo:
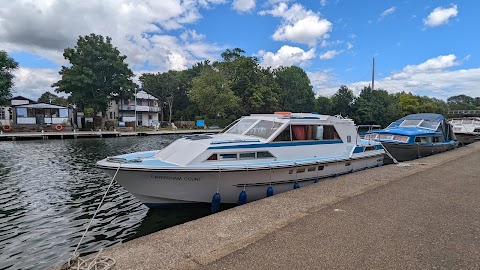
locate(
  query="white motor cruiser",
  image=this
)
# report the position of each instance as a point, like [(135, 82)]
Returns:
[(257, 156)]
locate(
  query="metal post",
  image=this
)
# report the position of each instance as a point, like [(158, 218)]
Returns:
[(135, 107)]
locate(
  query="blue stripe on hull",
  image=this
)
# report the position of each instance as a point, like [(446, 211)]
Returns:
[(280, 144)]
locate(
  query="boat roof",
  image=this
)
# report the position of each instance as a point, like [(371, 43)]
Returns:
[(424, 116), (299, 116)]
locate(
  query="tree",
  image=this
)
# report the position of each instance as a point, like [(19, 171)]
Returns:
[(212, 93), (409, 103), (342, 102), (296, 92), (323, 105), (97, 74), (461, 102), (254, 85), (432, 105), (376, 107), (48, 97), (7, 67)]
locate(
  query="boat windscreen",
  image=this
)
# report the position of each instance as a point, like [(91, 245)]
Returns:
[(241, 126), (264, 129), (410, 123), (430, 124)]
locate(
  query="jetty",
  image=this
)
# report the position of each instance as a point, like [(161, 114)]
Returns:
[(17, 136), (421, 214)]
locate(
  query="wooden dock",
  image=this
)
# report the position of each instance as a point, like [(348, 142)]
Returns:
[(22, 136)]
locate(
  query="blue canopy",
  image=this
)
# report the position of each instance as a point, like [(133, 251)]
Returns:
[(425, 116)]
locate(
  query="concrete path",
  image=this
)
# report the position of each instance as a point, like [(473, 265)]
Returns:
[(424, 214)]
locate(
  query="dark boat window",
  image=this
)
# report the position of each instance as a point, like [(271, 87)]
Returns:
[(301, 170), (247, 155), (213, 157), (308, 133), (437, 139), (228, 156), (369, 148), (311, 169), (421, 139), (284, 136), (264, 154), (321, 167)]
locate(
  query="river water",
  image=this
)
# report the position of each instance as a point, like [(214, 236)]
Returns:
[(49, 190)]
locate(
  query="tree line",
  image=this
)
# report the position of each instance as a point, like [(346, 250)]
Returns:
[(234, 86)]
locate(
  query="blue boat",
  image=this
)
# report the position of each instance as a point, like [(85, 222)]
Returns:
[(415, 136)]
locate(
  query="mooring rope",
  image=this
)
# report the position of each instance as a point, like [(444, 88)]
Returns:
[(77, 263), (390, 155)]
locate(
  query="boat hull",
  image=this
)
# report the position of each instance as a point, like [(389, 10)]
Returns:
[(160, 188), (406, 152), (467, 138)]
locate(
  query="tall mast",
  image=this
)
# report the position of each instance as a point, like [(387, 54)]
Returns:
[(373, 74)]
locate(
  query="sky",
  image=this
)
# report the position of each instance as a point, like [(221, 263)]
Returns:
[(428, 48)]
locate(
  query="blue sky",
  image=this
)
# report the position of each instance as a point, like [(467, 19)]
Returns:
[(424, 47)]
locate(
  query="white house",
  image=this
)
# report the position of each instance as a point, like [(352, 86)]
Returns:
[(145, 111)]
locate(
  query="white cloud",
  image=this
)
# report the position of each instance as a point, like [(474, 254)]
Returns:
[(47, 27), (431, 65), (330, 54), (286, 56), (323, 3), (440, 15), (243, 5), (349, 45), (432, 78), (387, 12), (191, 34), (33, 82), (324, 83), (299, 25)]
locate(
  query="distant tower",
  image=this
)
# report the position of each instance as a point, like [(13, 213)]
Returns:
[(373, 74)]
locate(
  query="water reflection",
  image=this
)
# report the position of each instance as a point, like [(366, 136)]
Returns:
[(50, 189)]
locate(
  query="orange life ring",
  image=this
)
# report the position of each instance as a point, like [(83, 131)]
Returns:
[(6, 127), (59, 127)]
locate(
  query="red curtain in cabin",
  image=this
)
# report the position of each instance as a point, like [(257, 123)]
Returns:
[(299, 132)]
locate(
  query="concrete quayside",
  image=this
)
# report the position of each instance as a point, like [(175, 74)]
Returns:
[(416, 215)]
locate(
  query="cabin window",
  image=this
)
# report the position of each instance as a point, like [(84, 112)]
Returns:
[(437, 139), (321, 167), (290, 172), (301, 170), (311, 169), (371, 136), (369, 148), (228, 156), (213, 157), (264, 129), (264, 154), (385, 137), (400, 138), (284, 136), (247, 155), (347, 164), (476, 130), (2, 113), (308, 133), (349, 138), (421, 139)]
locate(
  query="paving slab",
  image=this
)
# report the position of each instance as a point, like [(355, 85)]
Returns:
[(415, 215)]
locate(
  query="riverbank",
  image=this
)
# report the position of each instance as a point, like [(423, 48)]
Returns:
[(15, 136), (419, 214)]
